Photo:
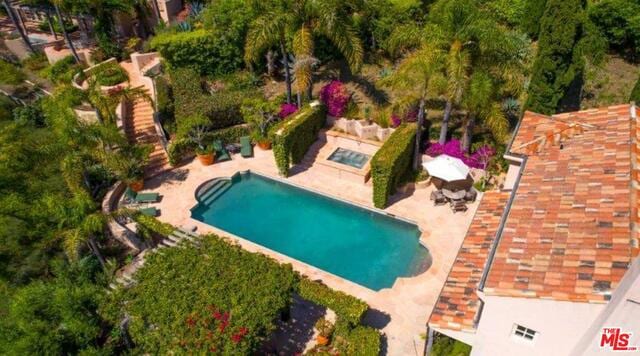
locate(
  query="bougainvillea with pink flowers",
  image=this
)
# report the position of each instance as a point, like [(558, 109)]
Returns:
[(478, 159), (210, 331), (336, 97), (286, 110)]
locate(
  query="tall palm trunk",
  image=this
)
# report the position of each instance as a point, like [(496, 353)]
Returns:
[(156, 10), (93, 246), (287, 74), (50, 22), (16, 23), (271, 65), (421, 115), (65, 34), (468, 131), (445, 122)]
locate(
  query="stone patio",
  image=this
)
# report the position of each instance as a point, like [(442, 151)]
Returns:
[(401, 312)]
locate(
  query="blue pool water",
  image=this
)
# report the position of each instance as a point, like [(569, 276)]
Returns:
[(348, 157), (358, 244)]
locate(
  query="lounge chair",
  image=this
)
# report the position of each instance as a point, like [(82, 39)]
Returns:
[(246, 150), (471, 195), (134, 197), (458, 205), (221, 153), (438, 198), (150, 211)]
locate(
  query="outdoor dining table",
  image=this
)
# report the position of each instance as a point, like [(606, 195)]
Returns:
[(457, 195)]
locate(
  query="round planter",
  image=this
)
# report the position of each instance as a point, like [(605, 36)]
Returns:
[(137, 185), (322, 340), (206, 159), (264, 145)]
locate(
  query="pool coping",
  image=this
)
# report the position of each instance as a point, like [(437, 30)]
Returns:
[(289, 259)]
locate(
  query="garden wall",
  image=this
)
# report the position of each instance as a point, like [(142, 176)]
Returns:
[(391, 165)]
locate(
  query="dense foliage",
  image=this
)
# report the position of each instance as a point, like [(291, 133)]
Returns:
[(391, 165), (199, 50), (533, 11), (62, 71), (181, 148), (446, 346), (350, 309), (566, 38), (336, 97), (199, 298), (292, 138), (10, 74), (110, 74), (619, 21), (635, 93)]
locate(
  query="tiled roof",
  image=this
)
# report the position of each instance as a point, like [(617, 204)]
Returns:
[(458, 303), (571, 229)]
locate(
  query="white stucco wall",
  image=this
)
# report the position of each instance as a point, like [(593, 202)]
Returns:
[(559, 325)]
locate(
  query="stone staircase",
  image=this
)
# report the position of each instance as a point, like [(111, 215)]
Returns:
[(141, 129)]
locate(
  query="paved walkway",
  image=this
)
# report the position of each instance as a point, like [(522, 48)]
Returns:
[(402, 311)]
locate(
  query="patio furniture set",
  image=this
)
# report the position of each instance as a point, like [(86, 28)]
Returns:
[(453, 182), (457, 199)]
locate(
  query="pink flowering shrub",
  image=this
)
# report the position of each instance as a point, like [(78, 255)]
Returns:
[(395, 120), (410, 116), (336, 97), (287, 109), (478, 159)]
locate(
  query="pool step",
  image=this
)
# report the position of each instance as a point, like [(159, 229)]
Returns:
[(218, 192), (215, 186)]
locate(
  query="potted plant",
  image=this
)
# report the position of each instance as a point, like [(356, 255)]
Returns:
[(325, 330), (127, 164), (261, 114), (206, 155), (194, 129)]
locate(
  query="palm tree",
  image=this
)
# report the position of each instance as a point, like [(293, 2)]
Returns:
[(481, 103), (67, 38), (18, 26), (418, 74)]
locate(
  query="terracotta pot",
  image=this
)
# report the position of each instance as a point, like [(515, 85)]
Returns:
[(206, 159), (265, 145), (322, 340), (137, 185)]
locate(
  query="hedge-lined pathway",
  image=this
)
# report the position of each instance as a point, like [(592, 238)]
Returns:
[(401, 311)]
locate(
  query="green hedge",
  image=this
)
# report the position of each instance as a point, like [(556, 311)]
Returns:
[(348, 308), (180, 298), (635, 93), (391, 165), (199, 50), (292, 138), (179, 149), (361, 340), (152, 224), (222, 108)]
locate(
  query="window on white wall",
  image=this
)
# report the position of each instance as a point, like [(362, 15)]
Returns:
[(523, 333)]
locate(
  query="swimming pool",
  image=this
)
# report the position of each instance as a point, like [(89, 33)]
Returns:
[(349, 157), (355, 243)]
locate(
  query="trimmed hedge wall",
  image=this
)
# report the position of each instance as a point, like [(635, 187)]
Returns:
[(199, 50), (347, 308), (178, 149), (292, 138), (222, 108), (392, 163)]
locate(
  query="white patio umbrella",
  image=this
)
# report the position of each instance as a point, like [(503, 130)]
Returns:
[(447, 168)]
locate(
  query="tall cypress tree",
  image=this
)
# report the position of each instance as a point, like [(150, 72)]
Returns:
[(566, 39), (533, 11)]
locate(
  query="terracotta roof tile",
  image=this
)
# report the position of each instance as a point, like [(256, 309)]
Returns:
[(458, 303), (572, 228)]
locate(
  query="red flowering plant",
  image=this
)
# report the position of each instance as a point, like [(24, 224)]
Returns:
[(336, 97), (478, 159), (286, 110), (211, 331)]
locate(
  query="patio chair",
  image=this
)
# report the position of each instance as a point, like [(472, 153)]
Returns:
[(138, 198), (221, 153), (438, 198), (149, 211), (458, 205), (471, 195), (246, 150)]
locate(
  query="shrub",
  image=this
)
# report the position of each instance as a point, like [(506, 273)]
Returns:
[(336, 97), (152, 224), (533, 11), (361, 340), (62, 71), (222, 108), (391, 165), (110, 74), (619, 21), (348, 308), (35, 62), (446, 346), (635, 93), (453, 148), (287, 109), (198, 50), (292, 138), (164, 97), (209, 297), (179, 148), (10, 74)]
